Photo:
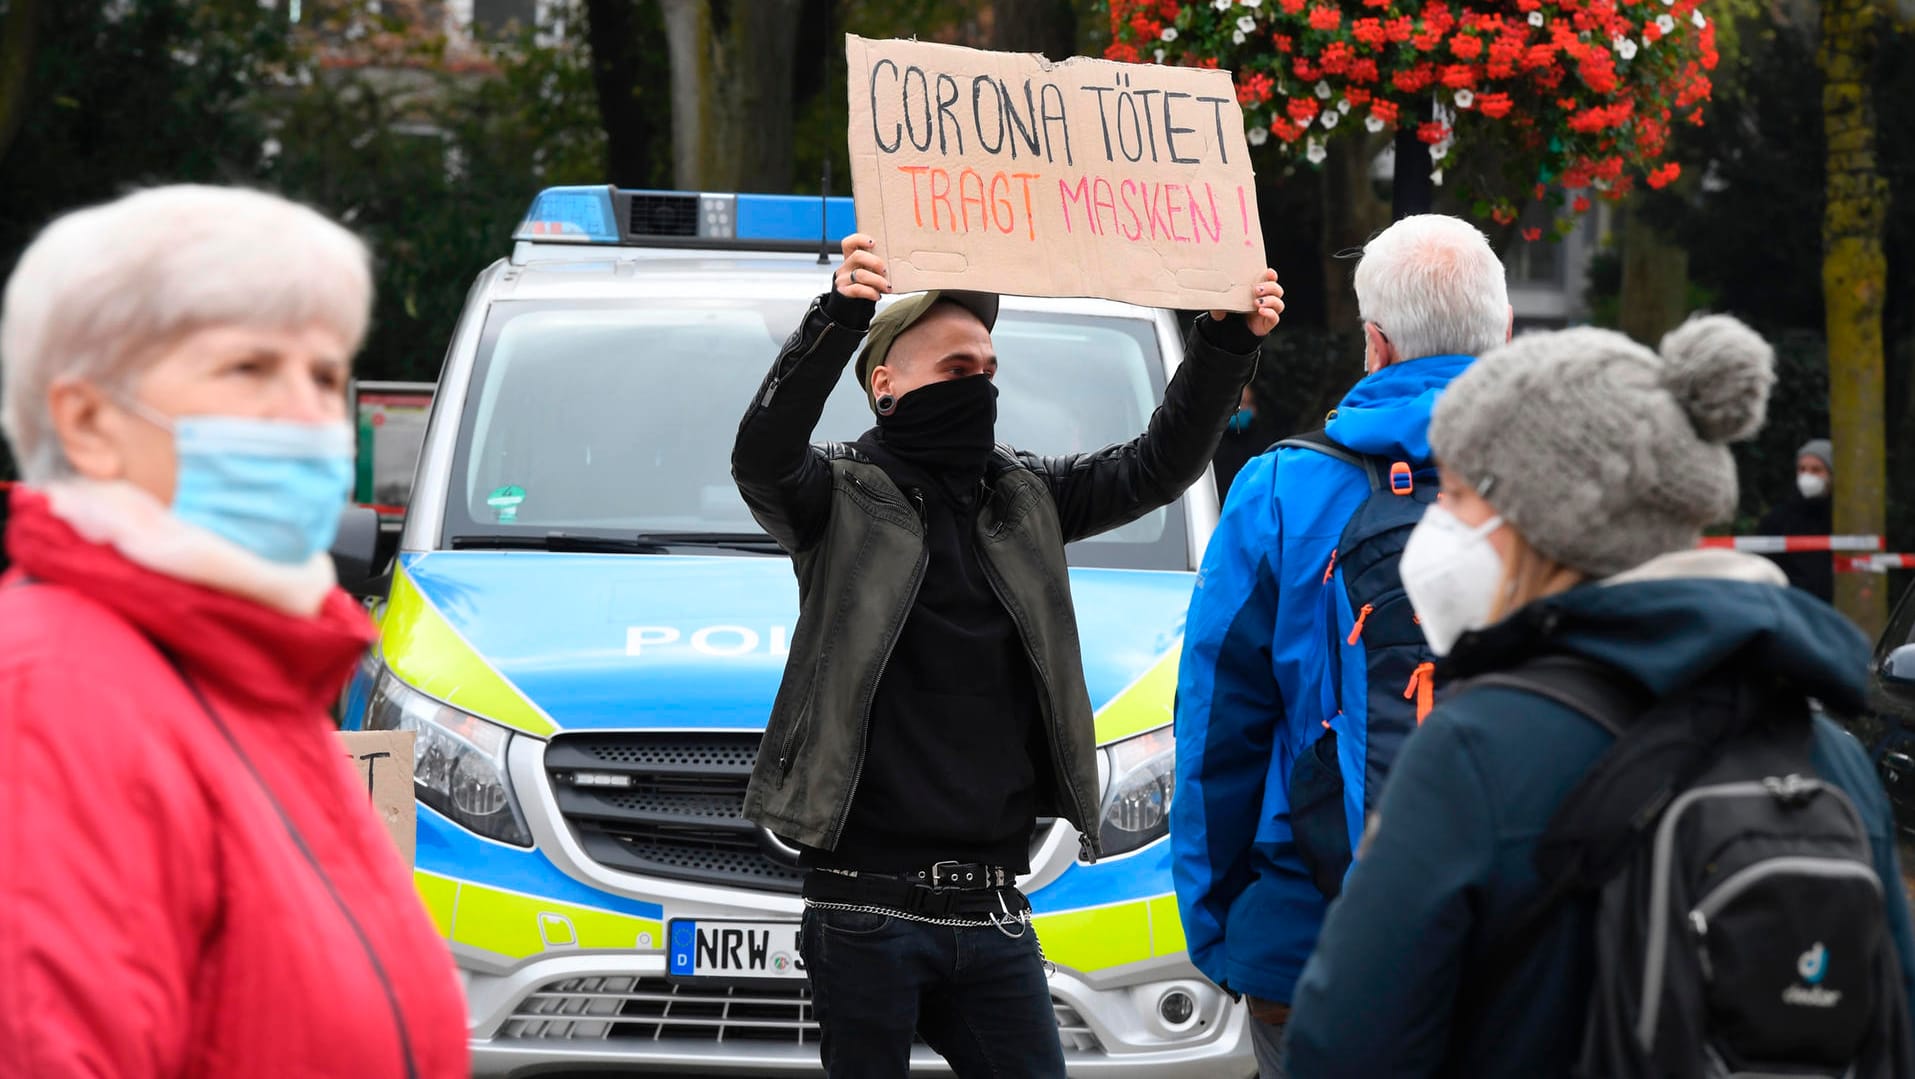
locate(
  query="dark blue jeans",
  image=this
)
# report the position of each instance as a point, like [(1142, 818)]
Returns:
[(977, 997)]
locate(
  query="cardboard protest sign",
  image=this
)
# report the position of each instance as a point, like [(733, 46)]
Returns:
[(1007, 173), (383, 760)]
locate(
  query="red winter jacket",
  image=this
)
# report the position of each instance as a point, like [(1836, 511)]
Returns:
[(191, 880)]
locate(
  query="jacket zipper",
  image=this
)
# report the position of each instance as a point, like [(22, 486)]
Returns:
[(1084, 848), (864, 711), (779, 372)]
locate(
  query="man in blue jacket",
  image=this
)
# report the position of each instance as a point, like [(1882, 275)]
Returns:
[(1262, 681)]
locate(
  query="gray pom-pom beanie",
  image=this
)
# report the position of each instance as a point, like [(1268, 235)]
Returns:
[(1600, 452)]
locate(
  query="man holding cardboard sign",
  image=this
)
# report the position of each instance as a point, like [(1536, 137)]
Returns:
[(934, 704)]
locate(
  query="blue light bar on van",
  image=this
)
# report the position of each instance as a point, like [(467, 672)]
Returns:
[(607, 215)]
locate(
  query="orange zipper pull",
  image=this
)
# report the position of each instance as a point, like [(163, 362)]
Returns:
[(1332, 568), (1362, 616), (1422, 687)]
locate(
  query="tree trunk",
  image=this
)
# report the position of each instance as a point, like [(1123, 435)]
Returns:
[(1041, 26), (1351, 215), (732, 107), (1854, 281), (631, 118), (16, 62), (1411, 191), (1655, 281)]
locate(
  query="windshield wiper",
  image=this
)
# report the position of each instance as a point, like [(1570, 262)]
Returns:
[(634, 543), (736, 541), (557, 541)]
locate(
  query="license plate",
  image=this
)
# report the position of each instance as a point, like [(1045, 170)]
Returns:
[(726, 949)]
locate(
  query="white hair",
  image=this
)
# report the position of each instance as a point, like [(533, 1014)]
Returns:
[(1434, 287), (101, 290)]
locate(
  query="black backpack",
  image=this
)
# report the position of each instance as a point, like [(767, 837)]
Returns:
[(1381, 672), (1740, 925)]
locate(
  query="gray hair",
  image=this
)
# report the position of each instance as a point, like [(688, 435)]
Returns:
[(1434, 287), (100, 290)]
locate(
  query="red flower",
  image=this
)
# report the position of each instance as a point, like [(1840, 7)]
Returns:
[(1503, 214), (1540, 192), (1412, 81), (1305, 70), (1665, 175), (1581, 205), (1540, 56), (1399, 29), (1385, 111), (1432, 132), (1122, 53), (1282, 42), (1302, 109), (1285, 130), (1427, 41), (1466, 47), (1368, 32), (1357, 95), (1532, 234), (1458, 76), (1291, 7), (1254, 89), (1376, 3), (1651, 33), (1494, 106), (1336, 57), (1325, 18), (1364, 71)]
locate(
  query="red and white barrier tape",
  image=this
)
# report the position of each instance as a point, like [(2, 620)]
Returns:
[(1794, 544), (1873, 563)]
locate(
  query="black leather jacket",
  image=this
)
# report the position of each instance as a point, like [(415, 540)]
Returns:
[(857, 546)]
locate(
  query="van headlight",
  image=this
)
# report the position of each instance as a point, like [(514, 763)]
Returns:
[(458, 764), (1143, 776)]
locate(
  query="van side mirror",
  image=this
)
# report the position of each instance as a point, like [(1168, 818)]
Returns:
[(1898, 671), (355, 550)]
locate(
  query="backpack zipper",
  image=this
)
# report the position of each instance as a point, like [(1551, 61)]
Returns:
[(1330, 570), (1356, 632), (1422, 687)]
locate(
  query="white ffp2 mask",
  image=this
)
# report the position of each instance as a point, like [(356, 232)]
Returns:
[(1451, 573), (1811, 485)]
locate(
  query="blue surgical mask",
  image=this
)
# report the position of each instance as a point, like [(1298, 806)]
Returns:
[(273, 487)]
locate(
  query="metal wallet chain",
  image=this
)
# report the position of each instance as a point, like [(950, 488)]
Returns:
[(1021, 919)]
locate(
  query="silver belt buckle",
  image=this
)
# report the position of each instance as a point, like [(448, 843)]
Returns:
[(936, 876)]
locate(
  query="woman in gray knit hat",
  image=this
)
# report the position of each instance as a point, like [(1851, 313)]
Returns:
[(1579, 470)]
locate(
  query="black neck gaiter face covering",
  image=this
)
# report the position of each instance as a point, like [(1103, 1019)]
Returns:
[(945, 426)]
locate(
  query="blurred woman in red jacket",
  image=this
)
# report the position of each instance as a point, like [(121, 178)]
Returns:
[(192, 882)]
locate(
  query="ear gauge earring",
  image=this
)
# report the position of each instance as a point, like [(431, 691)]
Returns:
[(887, 404)]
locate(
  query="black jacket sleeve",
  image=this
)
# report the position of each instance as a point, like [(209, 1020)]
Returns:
[(784, 479), (1099, 491)]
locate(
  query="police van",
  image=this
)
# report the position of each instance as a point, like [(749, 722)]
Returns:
[(585, 628)]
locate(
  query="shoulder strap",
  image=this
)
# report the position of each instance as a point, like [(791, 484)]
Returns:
[(1604, 697), (1583, 686), (1320, 441)]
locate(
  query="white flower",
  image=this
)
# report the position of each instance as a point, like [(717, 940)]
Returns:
[(1465, 98), (1374, 124), (1330, 118), (1252, 3), (1535, 18), (1436, 177), (1257, 135), (269, 149), (1221, 5), (1169, 34), (1626, 48), (1439, 150), (1238, 38), (1323, 90), (1698, 19), (1666, 24), (1316, 153), (1246, 23), (1160, 56), (1343, 106)]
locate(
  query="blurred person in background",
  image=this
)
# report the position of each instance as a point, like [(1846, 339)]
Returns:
[(195, 882), (1807, 511)]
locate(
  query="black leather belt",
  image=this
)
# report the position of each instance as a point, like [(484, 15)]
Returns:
[(988, 889)]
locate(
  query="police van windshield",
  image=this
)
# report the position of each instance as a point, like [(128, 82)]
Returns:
[(613, 421)]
